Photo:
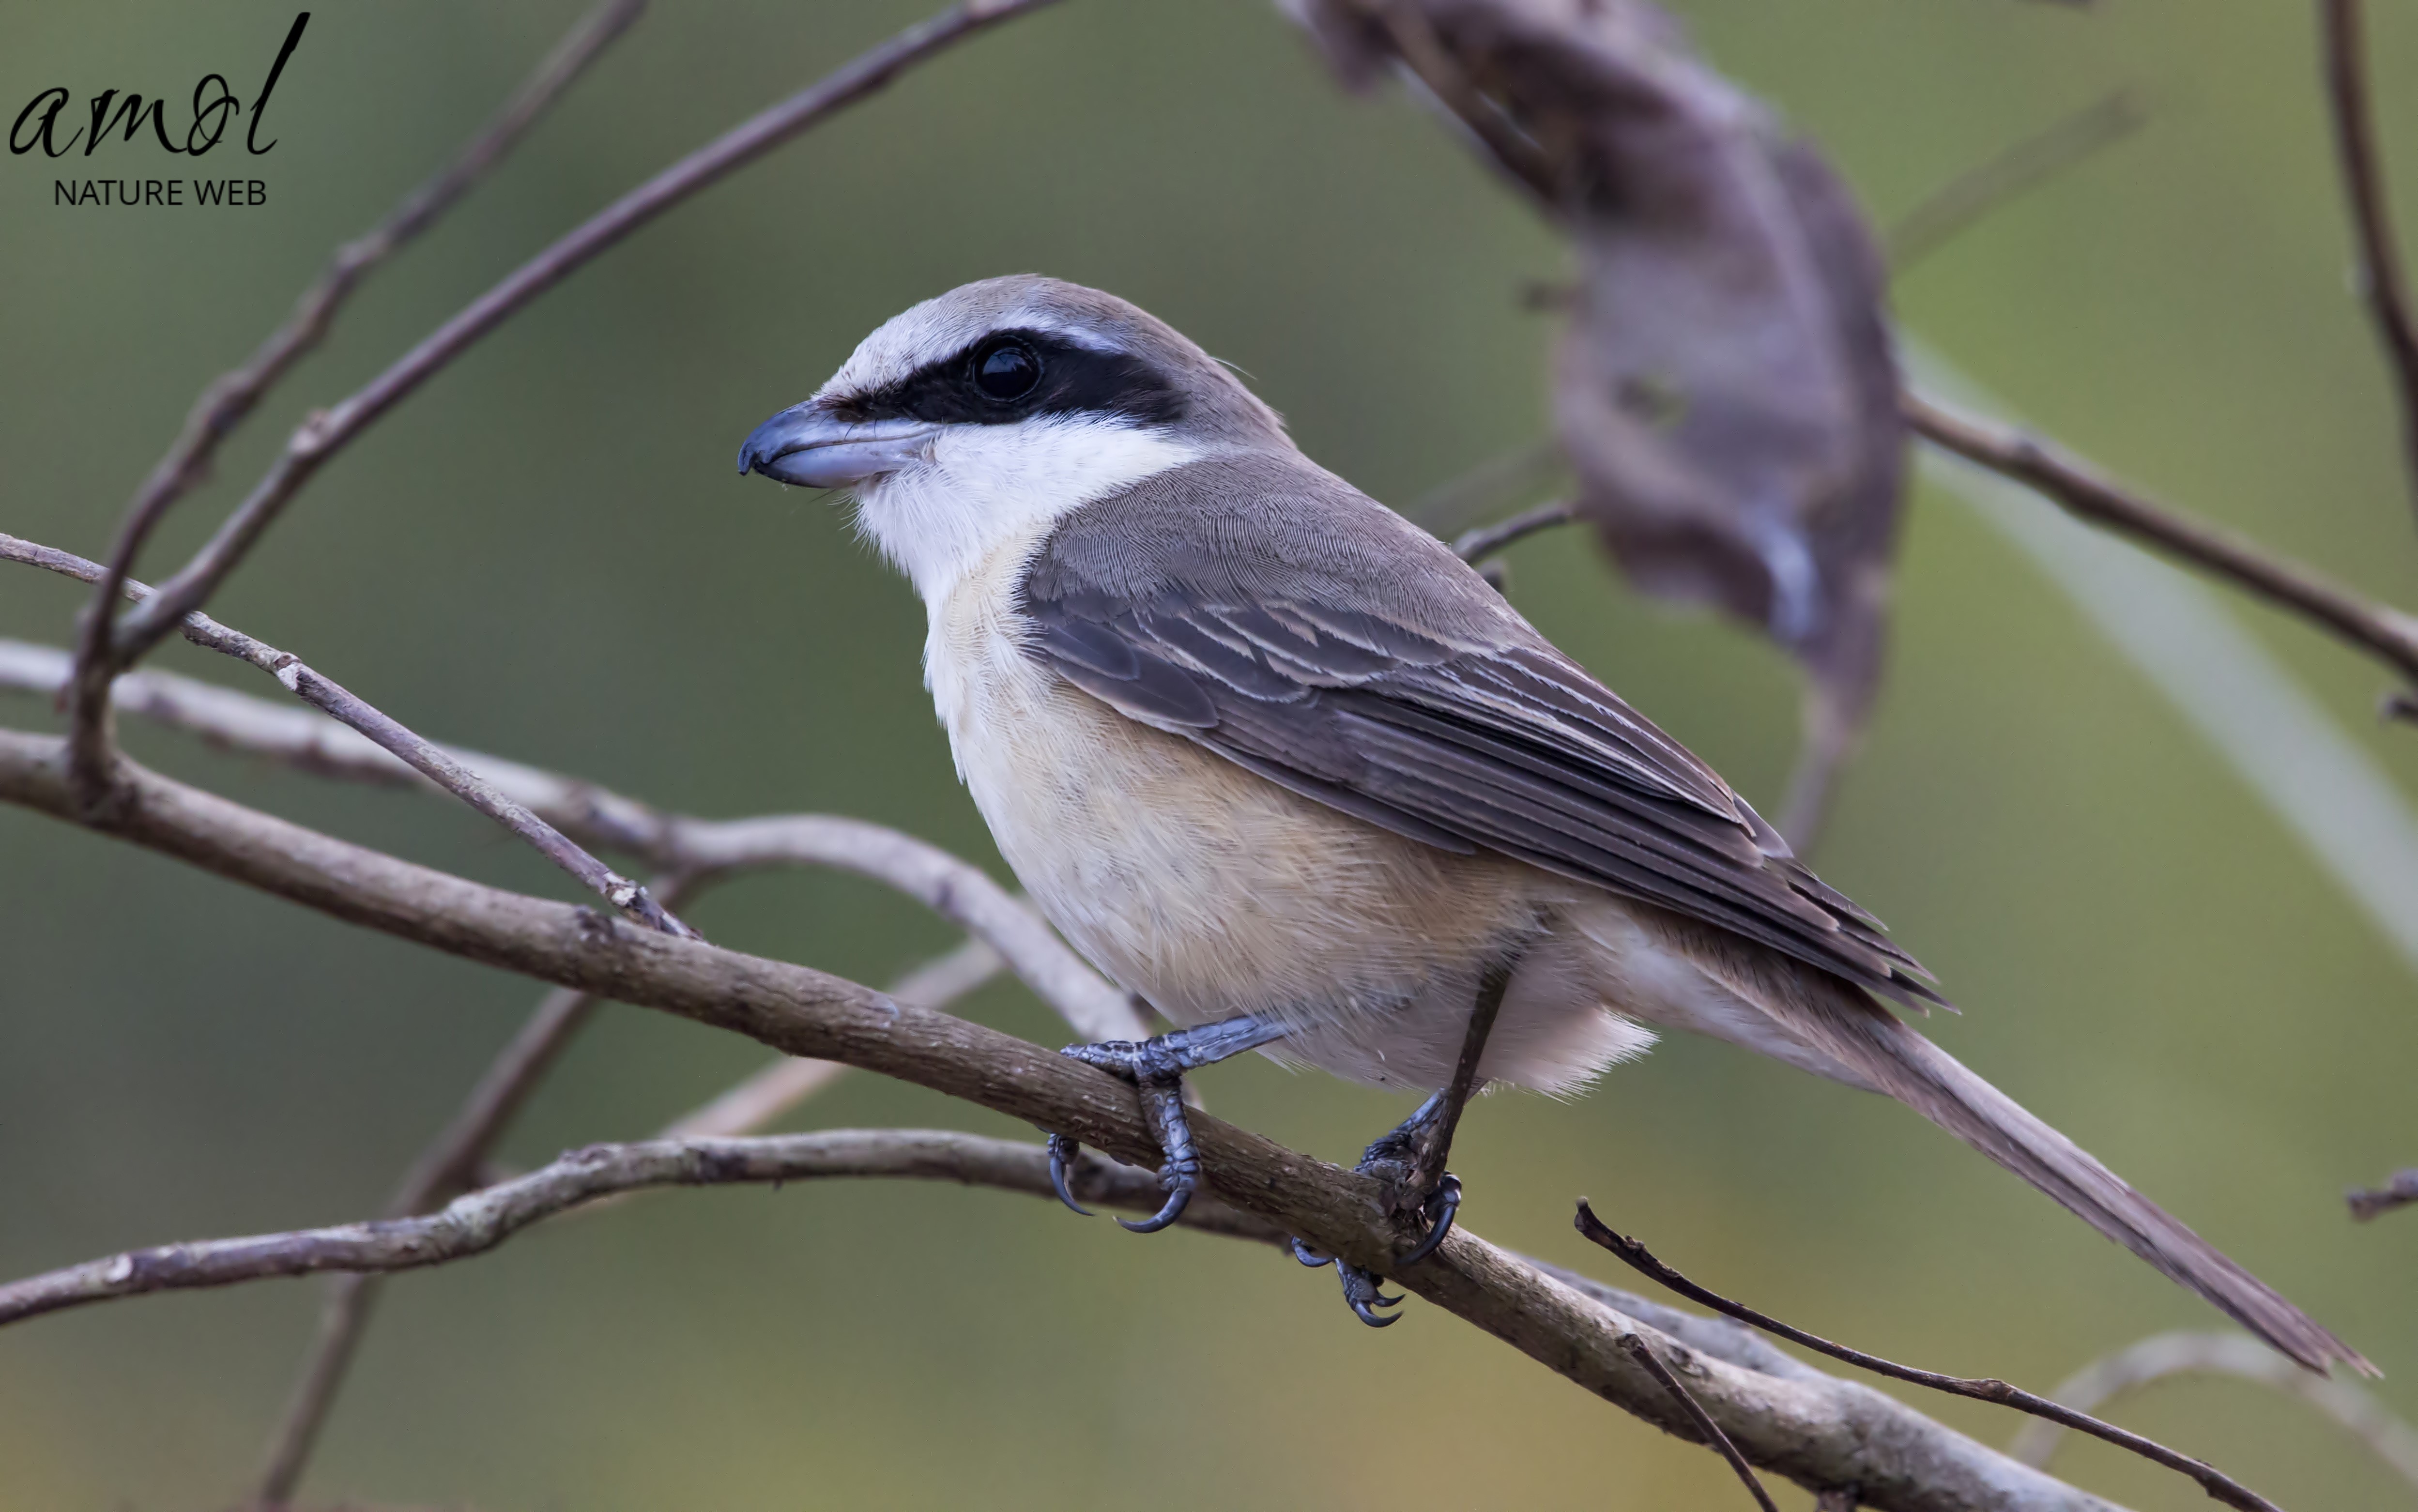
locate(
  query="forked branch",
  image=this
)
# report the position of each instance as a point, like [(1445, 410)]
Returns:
[(339, 703), (2215, 1482), (674, 843), (451, 1163), (226, 403), (478, 1222), (329, 432), (1820, 1433), (2384, 633)]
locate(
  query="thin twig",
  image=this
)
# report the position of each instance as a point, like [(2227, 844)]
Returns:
[(1705, 1425), (475, 1224), (239, 721), (2387, 634), (755, 1102), (226, 403), (2400, 1192), (438, 766), (324, 433), (1483, 490), (2215, 1482), (1486, 540), (478, 1222), (2028, 164), (452, 1162), (1815, 1430), (448, 1168), (2229, 1354), (751, 1105), (597, 817), (2363, 172)]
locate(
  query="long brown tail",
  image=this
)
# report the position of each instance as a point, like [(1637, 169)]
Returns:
[(1906, 1065)]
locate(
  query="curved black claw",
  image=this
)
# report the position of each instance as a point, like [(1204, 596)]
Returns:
[(1442, 1206), (1177, 1201), (1362, 1292), (1304, 1255), (1062, 1152)]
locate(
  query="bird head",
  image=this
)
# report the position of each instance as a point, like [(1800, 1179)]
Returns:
[(976, 418)]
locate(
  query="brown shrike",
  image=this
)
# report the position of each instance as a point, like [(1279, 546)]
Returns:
[(1284, 767)]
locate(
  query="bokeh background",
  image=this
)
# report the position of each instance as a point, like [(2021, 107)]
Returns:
[(545, 554)]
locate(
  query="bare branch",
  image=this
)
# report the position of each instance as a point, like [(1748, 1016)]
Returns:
[(2400, 1192), (2363, 172), (475, 1224), (340, 703), (2025, 165), (237, 721), (2228, 1354), (226, 403), (479, 1221), (672, 843), (244, 725), (2215, 1482), (1483, 490), (448, 1168), (443, 1173), (327, 432), (1486, 540), (452, 1162), (1710, 1430), (751, 1103), (755, 1102), (2386, 634), (955, 890), (1819, 1432)]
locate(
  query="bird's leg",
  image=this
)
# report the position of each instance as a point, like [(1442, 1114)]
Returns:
[(1410, 1159), (1156, 1067)]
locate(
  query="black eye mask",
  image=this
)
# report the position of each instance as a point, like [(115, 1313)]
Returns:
[(1012, 375)]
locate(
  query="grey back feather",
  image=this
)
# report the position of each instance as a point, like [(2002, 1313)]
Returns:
[(1265, 609)]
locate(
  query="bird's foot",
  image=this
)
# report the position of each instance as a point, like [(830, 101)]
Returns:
[(1402, 1159), (1398, 1159), (1156, 1067)]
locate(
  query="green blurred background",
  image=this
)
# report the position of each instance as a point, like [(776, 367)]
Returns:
[(545, 554)]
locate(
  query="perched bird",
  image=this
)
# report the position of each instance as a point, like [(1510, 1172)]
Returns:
[(1283, 765)]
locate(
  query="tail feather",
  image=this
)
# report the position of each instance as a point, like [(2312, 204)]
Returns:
[(1896, 1059)]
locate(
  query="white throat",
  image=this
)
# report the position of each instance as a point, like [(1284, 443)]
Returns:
[(986, 487)]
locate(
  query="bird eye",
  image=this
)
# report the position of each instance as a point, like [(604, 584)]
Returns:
[(1006, 370)]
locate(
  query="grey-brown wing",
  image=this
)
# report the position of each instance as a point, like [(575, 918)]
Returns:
[(1352, 659)]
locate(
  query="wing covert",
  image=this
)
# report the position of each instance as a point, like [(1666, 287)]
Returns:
[(1313, 638)]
